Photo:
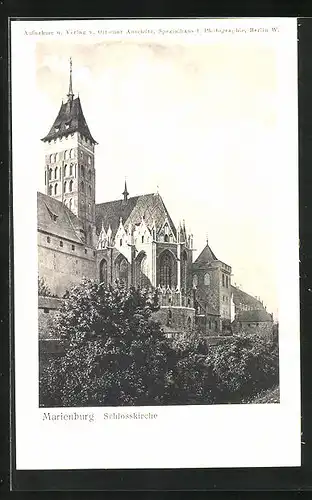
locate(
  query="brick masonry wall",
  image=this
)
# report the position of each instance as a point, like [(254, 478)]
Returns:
[(63, 266), (181, 318)]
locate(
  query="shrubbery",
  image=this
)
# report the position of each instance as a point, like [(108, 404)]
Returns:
[(115, 354)]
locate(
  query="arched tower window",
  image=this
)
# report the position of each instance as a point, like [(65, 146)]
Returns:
[(122, 267), (55, 189), (66, 155), (166, 237), (51, 158), (103, 271), (70, 204), (90, 192), (65, 170), (50, 173), (56, 157), (65, 187), (71, 169), (207, 279), (70, 186), (55, 173), (166, 270), (72, 153)]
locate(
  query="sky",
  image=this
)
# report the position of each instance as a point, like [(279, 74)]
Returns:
[(196, 122)]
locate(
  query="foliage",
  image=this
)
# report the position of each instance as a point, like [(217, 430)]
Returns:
[(243, 366), (43, 288), (115, 355)]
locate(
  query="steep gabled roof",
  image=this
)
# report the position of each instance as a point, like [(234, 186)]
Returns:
[(243, 298), (149, 206), (70, 119), (205, 256), (256, 316), (56, 219)]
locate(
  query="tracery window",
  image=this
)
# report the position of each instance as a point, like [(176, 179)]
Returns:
[(166, 270), (142, 279), (122, 270), (184, 270)]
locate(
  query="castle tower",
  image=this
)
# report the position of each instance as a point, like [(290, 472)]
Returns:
[(69, 162)]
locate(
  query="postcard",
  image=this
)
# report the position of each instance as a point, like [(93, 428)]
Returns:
[(156, 255)]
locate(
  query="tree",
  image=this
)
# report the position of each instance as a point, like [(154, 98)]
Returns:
[(43, 288), (114, 353), (243, 366)]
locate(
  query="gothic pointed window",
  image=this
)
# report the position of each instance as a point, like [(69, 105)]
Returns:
[(72, 153), (103, 271), (65, 170), (122, 267), (166, 237), (90, 192), (66, 155), (71, 169), (55, 189), (65, 187), (184, 270), (166, 269), (50, 173), (55, 173), (70, 204), (70, 186), (141, 271)]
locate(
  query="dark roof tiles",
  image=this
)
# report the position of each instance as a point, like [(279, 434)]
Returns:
[(56, 219), (256, 316), (148, 206), (205, 256), (70, 119)]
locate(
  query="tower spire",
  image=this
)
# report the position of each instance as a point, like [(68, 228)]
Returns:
[(70, 94), (125, 193)]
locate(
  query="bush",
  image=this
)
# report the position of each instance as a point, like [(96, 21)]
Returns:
[(243, 366), (114, 353)]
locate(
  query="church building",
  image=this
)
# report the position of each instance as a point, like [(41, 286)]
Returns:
[(132, 239)]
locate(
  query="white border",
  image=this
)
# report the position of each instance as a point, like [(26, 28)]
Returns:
[(195, 436)]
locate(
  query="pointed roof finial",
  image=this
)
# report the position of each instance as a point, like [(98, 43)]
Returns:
[(207, 239), (125, 193), (70, 94)]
